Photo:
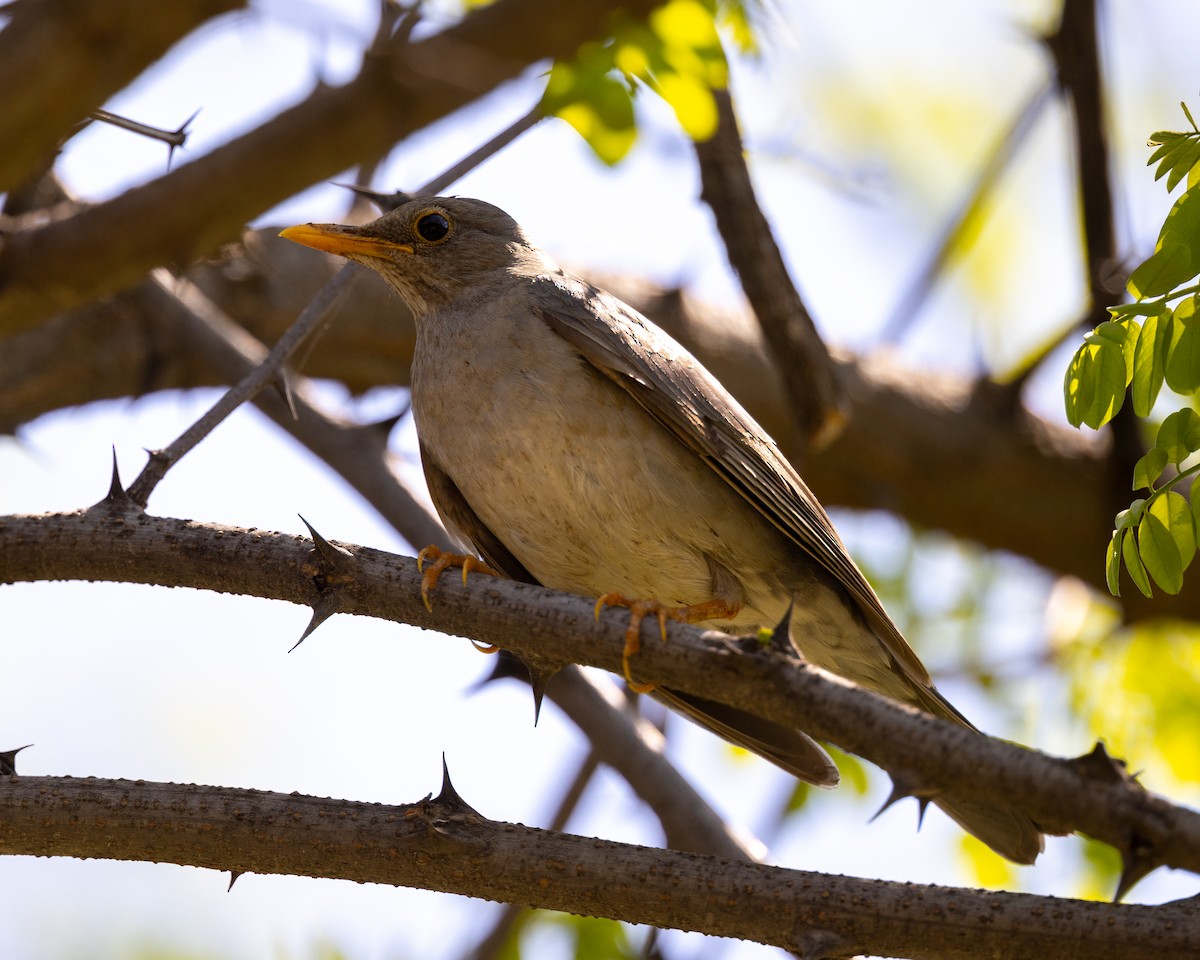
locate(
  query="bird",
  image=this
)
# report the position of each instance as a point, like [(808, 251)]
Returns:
[(570, 442)]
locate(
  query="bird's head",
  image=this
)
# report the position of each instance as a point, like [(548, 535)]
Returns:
[(432, 250)]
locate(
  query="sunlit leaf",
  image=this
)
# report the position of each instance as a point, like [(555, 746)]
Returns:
[(1112, 564), (1179, 436), (1131, 515), (1133, 563), (1183, 222), (1148, 374), (1138, 308), (1098, 374), (1184, 161), (1167, 540), (1181, 366), (693, 103), (1149, 468), (1167, 268)]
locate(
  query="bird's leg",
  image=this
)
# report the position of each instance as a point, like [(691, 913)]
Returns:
[(715, 609), (441, 561)]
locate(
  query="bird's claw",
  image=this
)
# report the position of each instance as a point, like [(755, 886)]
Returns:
[(441, 561), (638, 611)]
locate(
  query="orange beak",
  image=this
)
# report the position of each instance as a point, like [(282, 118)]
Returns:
[(344, 241)]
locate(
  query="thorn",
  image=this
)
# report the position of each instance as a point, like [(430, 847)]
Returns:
[(117, 495), (922, 806), (1101, 766), (283, 389), (233, 875), (1137, 860), (540, 675), (449, 797), (336, 558), (178, 139), (781, 637), (900, 791), (511, 667), (324, 609), (8, 761), (387, 202)]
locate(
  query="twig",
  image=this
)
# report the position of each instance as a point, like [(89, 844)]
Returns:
[(358, 453), (175, 138), (808, 373), (266, 372)]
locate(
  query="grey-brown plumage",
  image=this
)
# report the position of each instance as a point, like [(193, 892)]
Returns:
[(572, 443)]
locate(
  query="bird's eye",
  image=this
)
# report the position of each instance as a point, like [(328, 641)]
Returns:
[(432, 227)]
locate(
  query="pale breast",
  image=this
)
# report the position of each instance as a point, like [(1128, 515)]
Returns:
[(582, 485)]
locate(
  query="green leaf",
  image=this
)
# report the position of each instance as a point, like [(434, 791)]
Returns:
[(1183, 222), (1133, 563), (595, 938), (1149, 468), (1178, 436), (1139, 308), (1172, 155), (1167, 540), (1148, 374), (1098, 375), (1162, 137), (1131, 515), (1185, 160), (595, 101), (1181, 367), (1112, 564), (1167, 268)]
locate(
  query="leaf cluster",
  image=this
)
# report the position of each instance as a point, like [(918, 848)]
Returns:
[(676, 53), (1150, 342)]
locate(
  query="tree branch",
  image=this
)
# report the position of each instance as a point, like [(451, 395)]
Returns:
[(60, 59), (443, 845), (808, 373), (99, 250), (928, 756)]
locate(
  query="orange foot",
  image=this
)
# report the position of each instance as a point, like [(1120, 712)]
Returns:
[(640, 609), (443, 561)]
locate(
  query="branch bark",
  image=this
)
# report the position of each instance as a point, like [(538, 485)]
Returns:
[(444, 845), (808, 373), (60, 59), (928, 756), (69, 261)]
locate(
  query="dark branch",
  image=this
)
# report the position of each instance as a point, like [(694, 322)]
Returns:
[(449, 849), (931, 756)]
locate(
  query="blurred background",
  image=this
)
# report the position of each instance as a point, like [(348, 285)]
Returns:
[(867, 125)]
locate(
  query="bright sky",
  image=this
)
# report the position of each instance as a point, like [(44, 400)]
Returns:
[(176, 685)]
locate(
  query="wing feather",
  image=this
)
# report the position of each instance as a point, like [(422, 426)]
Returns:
[(671, 385)]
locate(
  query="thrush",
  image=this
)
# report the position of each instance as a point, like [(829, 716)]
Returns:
[(570, 442)]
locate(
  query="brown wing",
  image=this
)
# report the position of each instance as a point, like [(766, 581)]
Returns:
[(689, 402)]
